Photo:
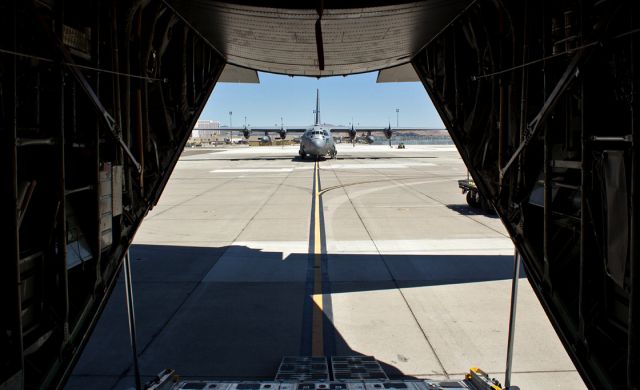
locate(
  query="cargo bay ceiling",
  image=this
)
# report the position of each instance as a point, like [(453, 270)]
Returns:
[(98, 98), (326, 38)]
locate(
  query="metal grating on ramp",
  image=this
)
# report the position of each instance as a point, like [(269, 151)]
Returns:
[(303, 368), (476, 379), (356, 368)]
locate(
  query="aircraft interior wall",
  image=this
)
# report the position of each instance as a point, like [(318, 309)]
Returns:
[(97, 101), (539, 99)]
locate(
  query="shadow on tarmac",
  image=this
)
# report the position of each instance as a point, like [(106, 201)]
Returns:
[(237, 318), (297, 158), (464, 209), (308, 159)]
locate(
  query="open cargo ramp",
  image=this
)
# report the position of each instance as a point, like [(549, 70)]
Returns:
[(98, 98)]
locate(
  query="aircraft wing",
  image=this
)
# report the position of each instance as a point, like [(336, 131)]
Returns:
[(394, 129), (266, 129), (346, 129), (340, 129)]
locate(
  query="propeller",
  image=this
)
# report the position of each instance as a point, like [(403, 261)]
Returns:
[(246, 132), (283, 133), (352, 135)]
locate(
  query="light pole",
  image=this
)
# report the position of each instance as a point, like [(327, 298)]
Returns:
[(230, 125), (397, 117)]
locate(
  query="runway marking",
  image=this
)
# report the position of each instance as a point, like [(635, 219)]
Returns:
[(403, 165), (395, 282), (318, 335), (386, 180), (329, 166), (317, 339), (254, 170)]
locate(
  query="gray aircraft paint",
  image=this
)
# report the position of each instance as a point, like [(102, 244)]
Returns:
[(317, 141)]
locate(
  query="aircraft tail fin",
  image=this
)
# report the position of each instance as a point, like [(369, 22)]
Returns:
[(317, 111)]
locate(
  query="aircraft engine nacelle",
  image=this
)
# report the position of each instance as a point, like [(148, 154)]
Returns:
[(283, 134), (353, 133), (369, 138), (246, 133), (388, 133)]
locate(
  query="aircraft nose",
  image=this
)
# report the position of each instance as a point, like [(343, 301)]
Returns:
[(318, 143), (317, 146)]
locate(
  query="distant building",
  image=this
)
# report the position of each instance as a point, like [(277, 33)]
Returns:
[(206, 129)]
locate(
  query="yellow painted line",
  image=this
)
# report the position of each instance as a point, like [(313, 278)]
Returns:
[(317, 345)]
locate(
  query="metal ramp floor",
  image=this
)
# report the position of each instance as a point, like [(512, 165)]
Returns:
[(315, 373)]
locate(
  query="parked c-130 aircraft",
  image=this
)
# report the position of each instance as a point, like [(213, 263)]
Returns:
[(317, 140)]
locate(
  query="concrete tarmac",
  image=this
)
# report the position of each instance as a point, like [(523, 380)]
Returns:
[(252, 254)]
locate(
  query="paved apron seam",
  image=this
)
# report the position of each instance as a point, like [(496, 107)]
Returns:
[(197, 284), (395, 282)]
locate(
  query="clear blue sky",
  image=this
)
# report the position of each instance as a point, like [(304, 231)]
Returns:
[(341, 98)]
